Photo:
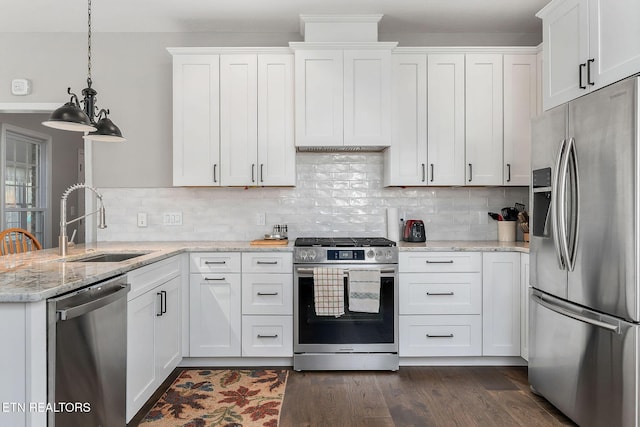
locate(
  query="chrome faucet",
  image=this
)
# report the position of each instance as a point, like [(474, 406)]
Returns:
[(63, 239)]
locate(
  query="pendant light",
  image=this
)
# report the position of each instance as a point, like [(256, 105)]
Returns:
[(74, 118)]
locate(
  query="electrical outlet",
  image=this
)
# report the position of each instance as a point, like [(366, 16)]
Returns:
[(172, 218), (261, 218), (142, 219)]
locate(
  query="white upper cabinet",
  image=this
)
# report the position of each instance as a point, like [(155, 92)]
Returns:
[(196, 120), (446, 111), (483, 121), (276, 143), (520, 106), (238, 119), (342, 97), (233, 117), (587, 44), (367, 96), (405, 161)]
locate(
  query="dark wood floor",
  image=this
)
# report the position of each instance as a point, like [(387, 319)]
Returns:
[(413, 396)]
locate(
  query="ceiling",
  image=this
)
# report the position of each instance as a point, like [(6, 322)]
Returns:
[(400, 16)]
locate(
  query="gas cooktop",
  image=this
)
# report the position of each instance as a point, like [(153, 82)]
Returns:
[(343, 242)]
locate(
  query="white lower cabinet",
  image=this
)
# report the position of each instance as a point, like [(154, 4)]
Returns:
[(241, 304), (501, 304), (215, 315), (154, 329), (440, 304)]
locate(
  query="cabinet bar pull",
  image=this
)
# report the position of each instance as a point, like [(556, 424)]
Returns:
[(423, 173), (440, 262), (267, 336), (215, 262), (440, 336), (432, 167), (470, 172), (508, 172), (163, 300), (580, 67), (262, 294), (267, 262), (261, 172), (439, 293), (209, 279), (589, 62), (160, 295), (253, 172), (215, 166)]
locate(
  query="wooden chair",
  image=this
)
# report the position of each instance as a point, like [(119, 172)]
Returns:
[(17, 240)]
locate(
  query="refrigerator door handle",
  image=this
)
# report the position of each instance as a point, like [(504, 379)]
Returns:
[(572, 161), (554, 205), (615, 328), (562, 205)]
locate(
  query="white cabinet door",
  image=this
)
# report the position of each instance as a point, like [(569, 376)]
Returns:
[(142, 375), (367, 96), (405, 161), (238, 120), (215, 315), (446, 115), (196, 120), (483, 121), (169, 327), (276, 144), (267, 336), (440, 293), (614, 40), (319, 98), (267, 293), (524, 306), (565, 37), (520, 105), (501, 304)]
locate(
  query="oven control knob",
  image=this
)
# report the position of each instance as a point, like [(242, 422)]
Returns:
[(378, 254), (370, 253), (312, 255), (389, 255)]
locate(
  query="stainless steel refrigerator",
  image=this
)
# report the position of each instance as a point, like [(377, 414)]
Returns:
[(584, 302)]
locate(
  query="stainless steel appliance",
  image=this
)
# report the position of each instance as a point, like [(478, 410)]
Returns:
[(87, 356), (354, 340), (414, 231), (585, 257)]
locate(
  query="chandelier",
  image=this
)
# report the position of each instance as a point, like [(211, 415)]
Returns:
[(71, 117)]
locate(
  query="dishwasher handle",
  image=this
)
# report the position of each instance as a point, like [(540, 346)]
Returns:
[(107, 298)]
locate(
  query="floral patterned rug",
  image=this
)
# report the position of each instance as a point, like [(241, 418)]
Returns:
[(229, 397)]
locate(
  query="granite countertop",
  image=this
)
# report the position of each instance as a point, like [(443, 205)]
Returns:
[(39, 275)]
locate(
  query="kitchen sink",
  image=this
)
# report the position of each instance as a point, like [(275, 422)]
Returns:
[(112, 257)]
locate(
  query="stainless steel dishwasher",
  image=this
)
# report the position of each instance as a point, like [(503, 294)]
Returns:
[(87, 356)]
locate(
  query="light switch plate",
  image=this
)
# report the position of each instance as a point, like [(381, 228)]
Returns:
[(172, 218), (142, 219)]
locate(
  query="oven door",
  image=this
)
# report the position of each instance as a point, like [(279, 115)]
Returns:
[(353, 332)]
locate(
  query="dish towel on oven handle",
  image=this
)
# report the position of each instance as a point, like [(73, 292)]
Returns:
[(328, 291), (364, 290)]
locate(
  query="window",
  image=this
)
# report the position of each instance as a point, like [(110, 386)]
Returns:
[(24, 168)]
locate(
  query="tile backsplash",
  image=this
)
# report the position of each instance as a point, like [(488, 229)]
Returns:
[(337, 194)]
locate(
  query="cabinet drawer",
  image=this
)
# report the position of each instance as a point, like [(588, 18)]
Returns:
[(148, 277), (434, 335), (267, 336), (440, 262), (267, 294), (267, 262), (440, 293), (215, 262)]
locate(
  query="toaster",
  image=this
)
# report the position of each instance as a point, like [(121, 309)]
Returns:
[(414, 231)]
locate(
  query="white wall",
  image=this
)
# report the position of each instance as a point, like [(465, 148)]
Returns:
[(337, 194)]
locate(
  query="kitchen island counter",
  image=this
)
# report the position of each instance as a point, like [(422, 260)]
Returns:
[(38, 275)]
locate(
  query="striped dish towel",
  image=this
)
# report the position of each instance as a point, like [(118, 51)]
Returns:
[(364, 290), (328, 291)]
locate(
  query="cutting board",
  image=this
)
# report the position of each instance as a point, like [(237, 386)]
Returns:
[(269, 242)]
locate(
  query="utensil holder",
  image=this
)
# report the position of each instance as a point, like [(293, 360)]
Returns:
[(506, 231)]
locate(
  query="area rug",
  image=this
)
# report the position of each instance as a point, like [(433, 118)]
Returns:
[(229, 397)]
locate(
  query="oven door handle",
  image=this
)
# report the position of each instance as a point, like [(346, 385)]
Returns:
[(384, 272)]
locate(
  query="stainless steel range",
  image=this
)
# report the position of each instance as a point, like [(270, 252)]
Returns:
[(352, 334)]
